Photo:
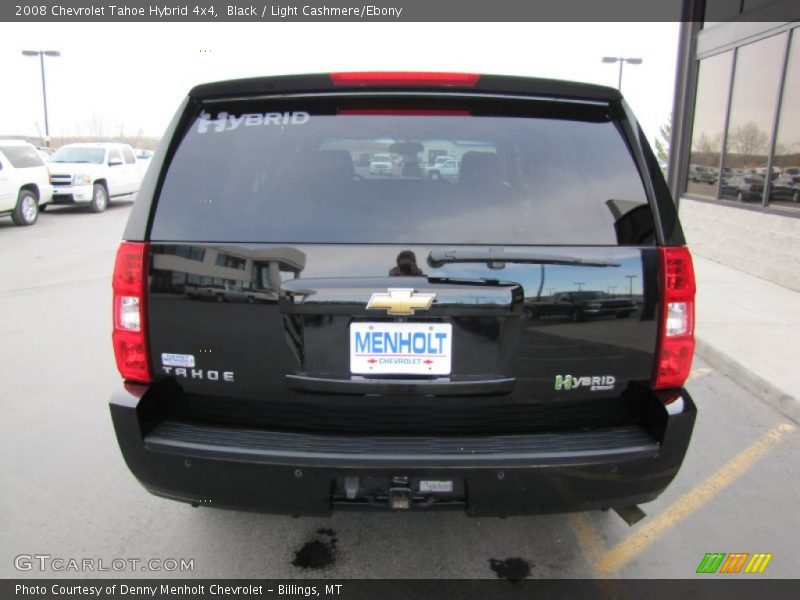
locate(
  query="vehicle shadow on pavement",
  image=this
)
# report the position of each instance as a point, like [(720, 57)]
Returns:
[(69, 209)]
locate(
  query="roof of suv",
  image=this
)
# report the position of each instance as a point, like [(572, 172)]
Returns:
[(323, 82), (96, 144), (15, 143)]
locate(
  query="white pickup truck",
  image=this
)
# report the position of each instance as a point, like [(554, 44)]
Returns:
[(24, 182), (93, 173), (445, 167)]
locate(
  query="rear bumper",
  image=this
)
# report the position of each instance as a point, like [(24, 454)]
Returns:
[(305, 474)]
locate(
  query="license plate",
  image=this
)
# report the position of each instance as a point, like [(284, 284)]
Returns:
[(400, 348)]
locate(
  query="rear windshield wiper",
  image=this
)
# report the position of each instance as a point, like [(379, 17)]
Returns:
[(496, 258)]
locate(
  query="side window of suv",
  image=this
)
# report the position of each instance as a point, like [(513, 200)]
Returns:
[(112, 154), (128, 155)]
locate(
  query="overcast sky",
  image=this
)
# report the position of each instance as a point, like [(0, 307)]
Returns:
[(133, 75)]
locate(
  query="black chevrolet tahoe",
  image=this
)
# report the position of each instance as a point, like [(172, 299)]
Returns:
[(388, 362)]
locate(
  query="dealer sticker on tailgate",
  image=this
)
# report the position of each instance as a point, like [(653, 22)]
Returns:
[(401, 348)]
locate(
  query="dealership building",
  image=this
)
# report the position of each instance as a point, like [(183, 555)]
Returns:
[(734, 166)]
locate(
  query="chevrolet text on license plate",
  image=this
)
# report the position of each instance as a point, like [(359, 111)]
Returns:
[(401, 348)]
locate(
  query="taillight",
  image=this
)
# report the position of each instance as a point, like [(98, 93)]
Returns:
[(380, 78), (676, 327), (129, 336)]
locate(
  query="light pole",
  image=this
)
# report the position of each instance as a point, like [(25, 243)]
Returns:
[(630, 283), (41, 54), (580, 285), (621, 60)]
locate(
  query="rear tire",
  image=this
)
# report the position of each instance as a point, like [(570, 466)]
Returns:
[(27, 209), (99, 198)]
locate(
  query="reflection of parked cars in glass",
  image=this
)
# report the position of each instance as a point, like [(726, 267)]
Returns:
[(747, 188), (445, 167), (578, 306), (381, 164), (229, 293), (700, 174), (786, 188)]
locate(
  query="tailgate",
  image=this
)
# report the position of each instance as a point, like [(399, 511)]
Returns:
[(267, 356)]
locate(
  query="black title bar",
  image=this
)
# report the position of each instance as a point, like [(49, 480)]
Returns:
[(374, 10)]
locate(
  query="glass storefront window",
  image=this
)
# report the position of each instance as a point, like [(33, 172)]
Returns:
[(785, 190), (713, 84), (755, 93)]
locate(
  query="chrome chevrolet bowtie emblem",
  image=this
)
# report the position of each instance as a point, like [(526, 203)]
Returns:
[(400, 301)]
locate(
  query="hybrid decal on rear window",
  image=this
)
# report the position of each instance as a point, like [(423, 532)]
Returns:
[(228, 122), (595, 383)]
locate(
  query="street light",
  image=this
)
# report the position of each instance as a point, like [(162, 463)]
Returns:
[(41, 54), (621, 60), (630, 283)]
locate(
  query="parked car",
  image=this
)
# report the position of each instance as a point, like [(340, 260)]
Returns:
[(143, 157), (381, 164), (45, 152), (744, 188), (578, 306), (230, 293), (375, 387), (91, 174), (24, 182), (700, 174), (786, 188), (793, 172)]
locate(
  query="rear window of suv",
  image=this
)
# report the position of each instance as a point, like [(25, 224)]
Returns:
[(262, 174)]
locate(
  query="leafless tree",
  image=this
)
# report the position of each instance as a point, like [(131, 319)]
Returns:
[(96, 126), (748, 140), (708, 143)]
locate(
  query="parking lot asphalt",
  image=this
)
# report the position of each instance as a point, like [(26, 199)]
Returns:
[(67, 492)]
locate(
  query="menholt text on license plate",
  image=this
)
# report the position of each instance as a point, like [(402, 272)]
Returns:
[(401, 348)]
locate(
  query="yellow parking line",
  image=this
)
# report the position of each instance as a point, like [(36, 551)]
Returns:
[(627, 549), (588, 541), (592, 549)]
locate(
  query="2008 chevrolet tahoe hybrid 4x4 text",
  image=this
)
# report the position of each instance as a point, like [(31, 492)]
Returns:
[(390, 363)]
